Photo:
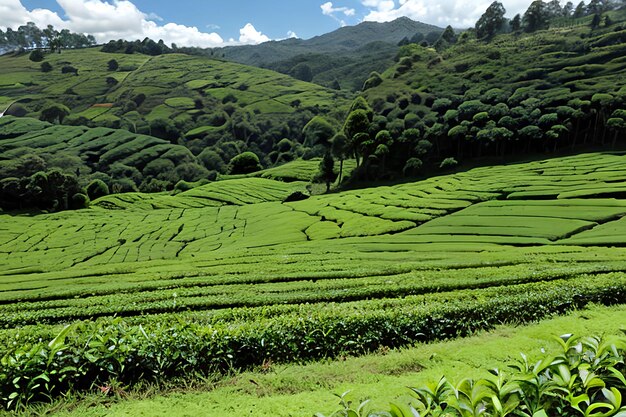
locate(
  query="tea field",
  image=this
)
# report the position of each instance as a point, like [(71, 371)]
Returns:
[(231, 274)]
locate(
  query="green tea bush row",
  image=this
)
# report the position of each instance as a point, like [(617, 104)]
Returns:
[(214, 297), (586, 378), (89, 354)]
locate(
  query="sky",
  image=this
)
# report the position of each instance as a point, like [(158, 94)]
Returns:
[(214, 23)]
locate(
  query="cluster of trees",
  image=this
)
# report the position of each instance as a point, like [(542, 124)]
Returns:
[(539, 15), (497, 123), (146, 46), (53, 191), (29, 36)]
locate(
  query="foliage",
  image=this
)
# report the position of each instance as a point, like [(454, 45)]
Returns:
[(587, 377), (244, 163)]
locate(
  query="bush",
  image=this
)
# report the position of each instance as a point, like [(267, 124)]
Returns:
[(36, 56), (245, 163), (68, 69), (587, 374), (412, 167), (448, 163), (112, 65), (79, 201), (46, 67), (97, 189)]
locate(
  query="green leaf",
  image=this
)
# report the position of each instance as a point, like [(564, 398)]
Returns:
[(59, 340)]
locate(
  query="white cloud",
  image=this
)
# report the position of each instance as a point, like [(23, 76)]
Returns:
[(329, 10), (292, 35), (118, 19), (248, 35), (457, 13)]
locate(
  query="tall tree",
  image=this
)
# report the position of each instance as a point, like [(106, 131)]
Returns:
[(554, 9), (568, 9), (516, 23), (580, 10), (491, 21), (535, 17)]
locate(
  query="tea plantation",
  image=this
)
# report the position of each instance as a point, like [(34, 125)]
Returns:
[(228, 275)]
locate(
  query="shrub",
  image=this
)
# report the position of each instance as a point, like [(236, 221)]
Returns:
[(79, 201), (586, 375), (448, 163), (412, 167), (112, 65), (46, 67), (68, 69), (245, 163), (36, 56), (97, 189)]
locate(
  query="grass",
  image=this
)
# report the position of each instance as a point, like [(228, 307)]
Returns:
[(301, 390)]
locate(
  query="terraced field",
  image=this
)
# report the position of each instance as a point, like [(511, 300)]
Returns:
[(345, 272), (170, 85)]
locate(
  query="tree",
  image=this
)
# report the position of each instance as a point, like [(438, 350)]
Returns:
[(595, 22), (245, 163), (597, 7), (356, 129), (580, 10), (97, 189), (302, 72), (318, 132), (54, 112), (491, 21), (568, 9), (339, 149), (554, 9), (535, 17), (516, 23), (327, 170)]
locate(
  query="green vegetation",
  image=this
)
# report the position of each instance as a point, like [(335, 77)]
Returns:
[(184, 260), (381, 377), (494, 94), (586, 376), (495, 251), (196, 102)]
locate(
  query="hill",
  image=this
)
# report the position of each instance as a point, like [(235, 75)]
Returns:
[(124, 161), (518, 93), (194, 101), (341, 58)]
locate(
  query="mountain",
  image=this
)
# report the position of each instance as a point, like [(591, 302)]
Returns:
[(370, 46)]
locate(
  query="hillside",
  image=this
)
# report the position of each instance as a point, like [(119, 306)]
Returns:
[(332, 275), (195, 101), (124, 161), (518, 93), (344, 56)]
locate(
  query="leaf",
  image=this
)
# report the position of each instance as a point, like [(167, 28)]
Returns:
[(59, 340), (540, 413)]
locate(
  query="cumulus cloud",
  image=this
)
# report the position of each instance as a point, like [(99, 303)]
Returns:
[(328, 9), (248, 35), (118, 19), (292, 35), (457, 13)]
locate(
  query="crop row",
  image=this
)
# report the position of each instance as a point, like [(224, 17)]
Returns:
[(213, 293), (87, 354)]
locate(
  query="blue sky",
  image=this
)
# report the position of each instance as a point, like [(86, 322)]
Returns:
[(222, 22), (273, 18)]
